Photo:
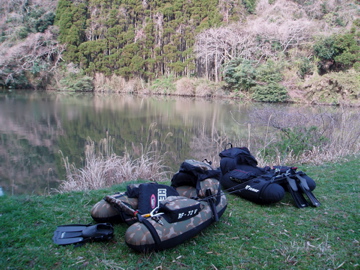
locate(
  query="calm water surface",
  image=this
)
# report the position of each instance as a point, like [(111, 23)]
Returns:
[(37, 129)]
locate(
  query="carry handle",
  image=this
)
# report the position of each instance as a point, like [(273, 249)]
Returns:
[(231, 146)]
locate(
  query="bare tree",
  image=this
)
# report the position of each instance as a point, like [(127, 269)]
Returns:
[(36, 53), (277, 27)]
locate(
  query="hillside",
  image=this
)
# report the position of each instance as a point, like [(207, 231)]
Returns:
[(264, 50)]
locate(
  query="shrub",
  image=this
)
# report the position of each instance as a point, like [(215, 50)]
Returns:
[(262, 81), (324, 48), (42, 24), (77, 82), (299, 139), (22, 32), (305, 67), (342, 51), (164, 85), (185, 87), (272, 92), (269, 72), (240, 74), (250, 5)]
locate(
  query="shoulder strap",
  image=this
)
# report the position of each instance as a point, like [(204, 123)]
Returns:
[(151, 229)]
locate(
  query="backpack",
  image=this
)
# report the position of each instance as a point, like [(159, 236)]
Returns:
[(240, 162), (194, 173)]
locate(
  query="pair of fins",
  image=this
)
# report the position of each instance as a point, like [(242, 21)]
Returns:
[(298, 186), (80, 234)]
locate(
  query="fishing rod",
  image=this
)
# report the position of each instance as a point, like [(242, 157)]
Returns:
[(120, 206)]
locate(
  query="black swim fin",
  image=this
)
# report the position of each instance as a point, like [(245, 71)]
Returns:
[(305, 188), (298, 197), (80, 233)]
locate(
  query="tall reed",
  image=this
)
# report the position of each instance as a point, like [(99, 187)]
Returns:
[(103, 168)]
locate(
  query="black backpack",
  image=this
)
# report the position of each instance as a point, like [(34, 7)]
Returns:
[(192, 172), (241, 160)]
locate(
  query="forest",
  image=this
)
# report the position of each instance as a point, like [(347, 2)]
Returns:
[(264, 50)]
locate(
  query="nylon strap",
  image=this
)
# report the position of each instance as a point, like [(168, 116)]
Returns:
[(151, 229)]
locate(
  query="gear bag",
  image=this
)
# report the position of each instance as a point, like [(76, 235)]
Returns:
[(179, 208), (193, 173), (233, 157)]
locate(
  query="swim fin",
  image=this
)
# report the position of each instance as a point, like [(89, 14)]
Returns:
[(298, 197), (80, 233), (305, 188)]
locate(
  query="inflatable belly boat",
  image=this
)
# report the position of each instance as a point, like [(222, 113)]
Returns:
[(240, 175), (182, 219), (161, 216)]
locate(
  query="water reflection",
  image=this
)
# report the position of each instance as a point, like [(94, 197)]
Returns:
[(36, 126)]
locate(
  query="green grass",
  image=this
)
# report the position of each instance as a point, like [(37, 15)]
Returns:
[(248, 236)]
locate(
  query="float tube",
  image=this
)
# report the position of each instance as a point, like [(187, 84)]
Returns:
[(182, 219), (177, 217), (240, 175)]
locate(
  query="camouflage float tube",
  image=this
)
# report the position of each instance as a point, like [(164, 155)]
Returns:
[(182, 219), (161, 216)]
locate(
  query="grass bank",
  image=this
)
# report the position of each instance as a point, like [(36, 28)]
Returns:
[(248, 236)]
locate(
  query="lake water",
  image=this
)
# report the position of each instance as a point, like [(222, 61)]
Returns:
[(37, 129)]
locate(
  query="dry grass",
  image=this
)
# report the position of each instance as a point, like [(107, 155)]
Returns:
[(185, 87), (198, 88), (192, 87), (103, 168), (293, 250), (341, 130), (117, 84)]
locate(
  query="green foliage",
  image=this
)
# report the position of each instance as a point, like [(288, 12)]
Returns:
[(343, 50), (131, 44), (269, 72), (77, 82), (22, 32), (348, 48), (356, 23), (240, 74), (357, 66), (262, 81), (11, 78), (164, 85), (298, 140), (71, 19), (271, 92), (305, 67), (37, 20), (324, 48), (43, 23), (250, 5)]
